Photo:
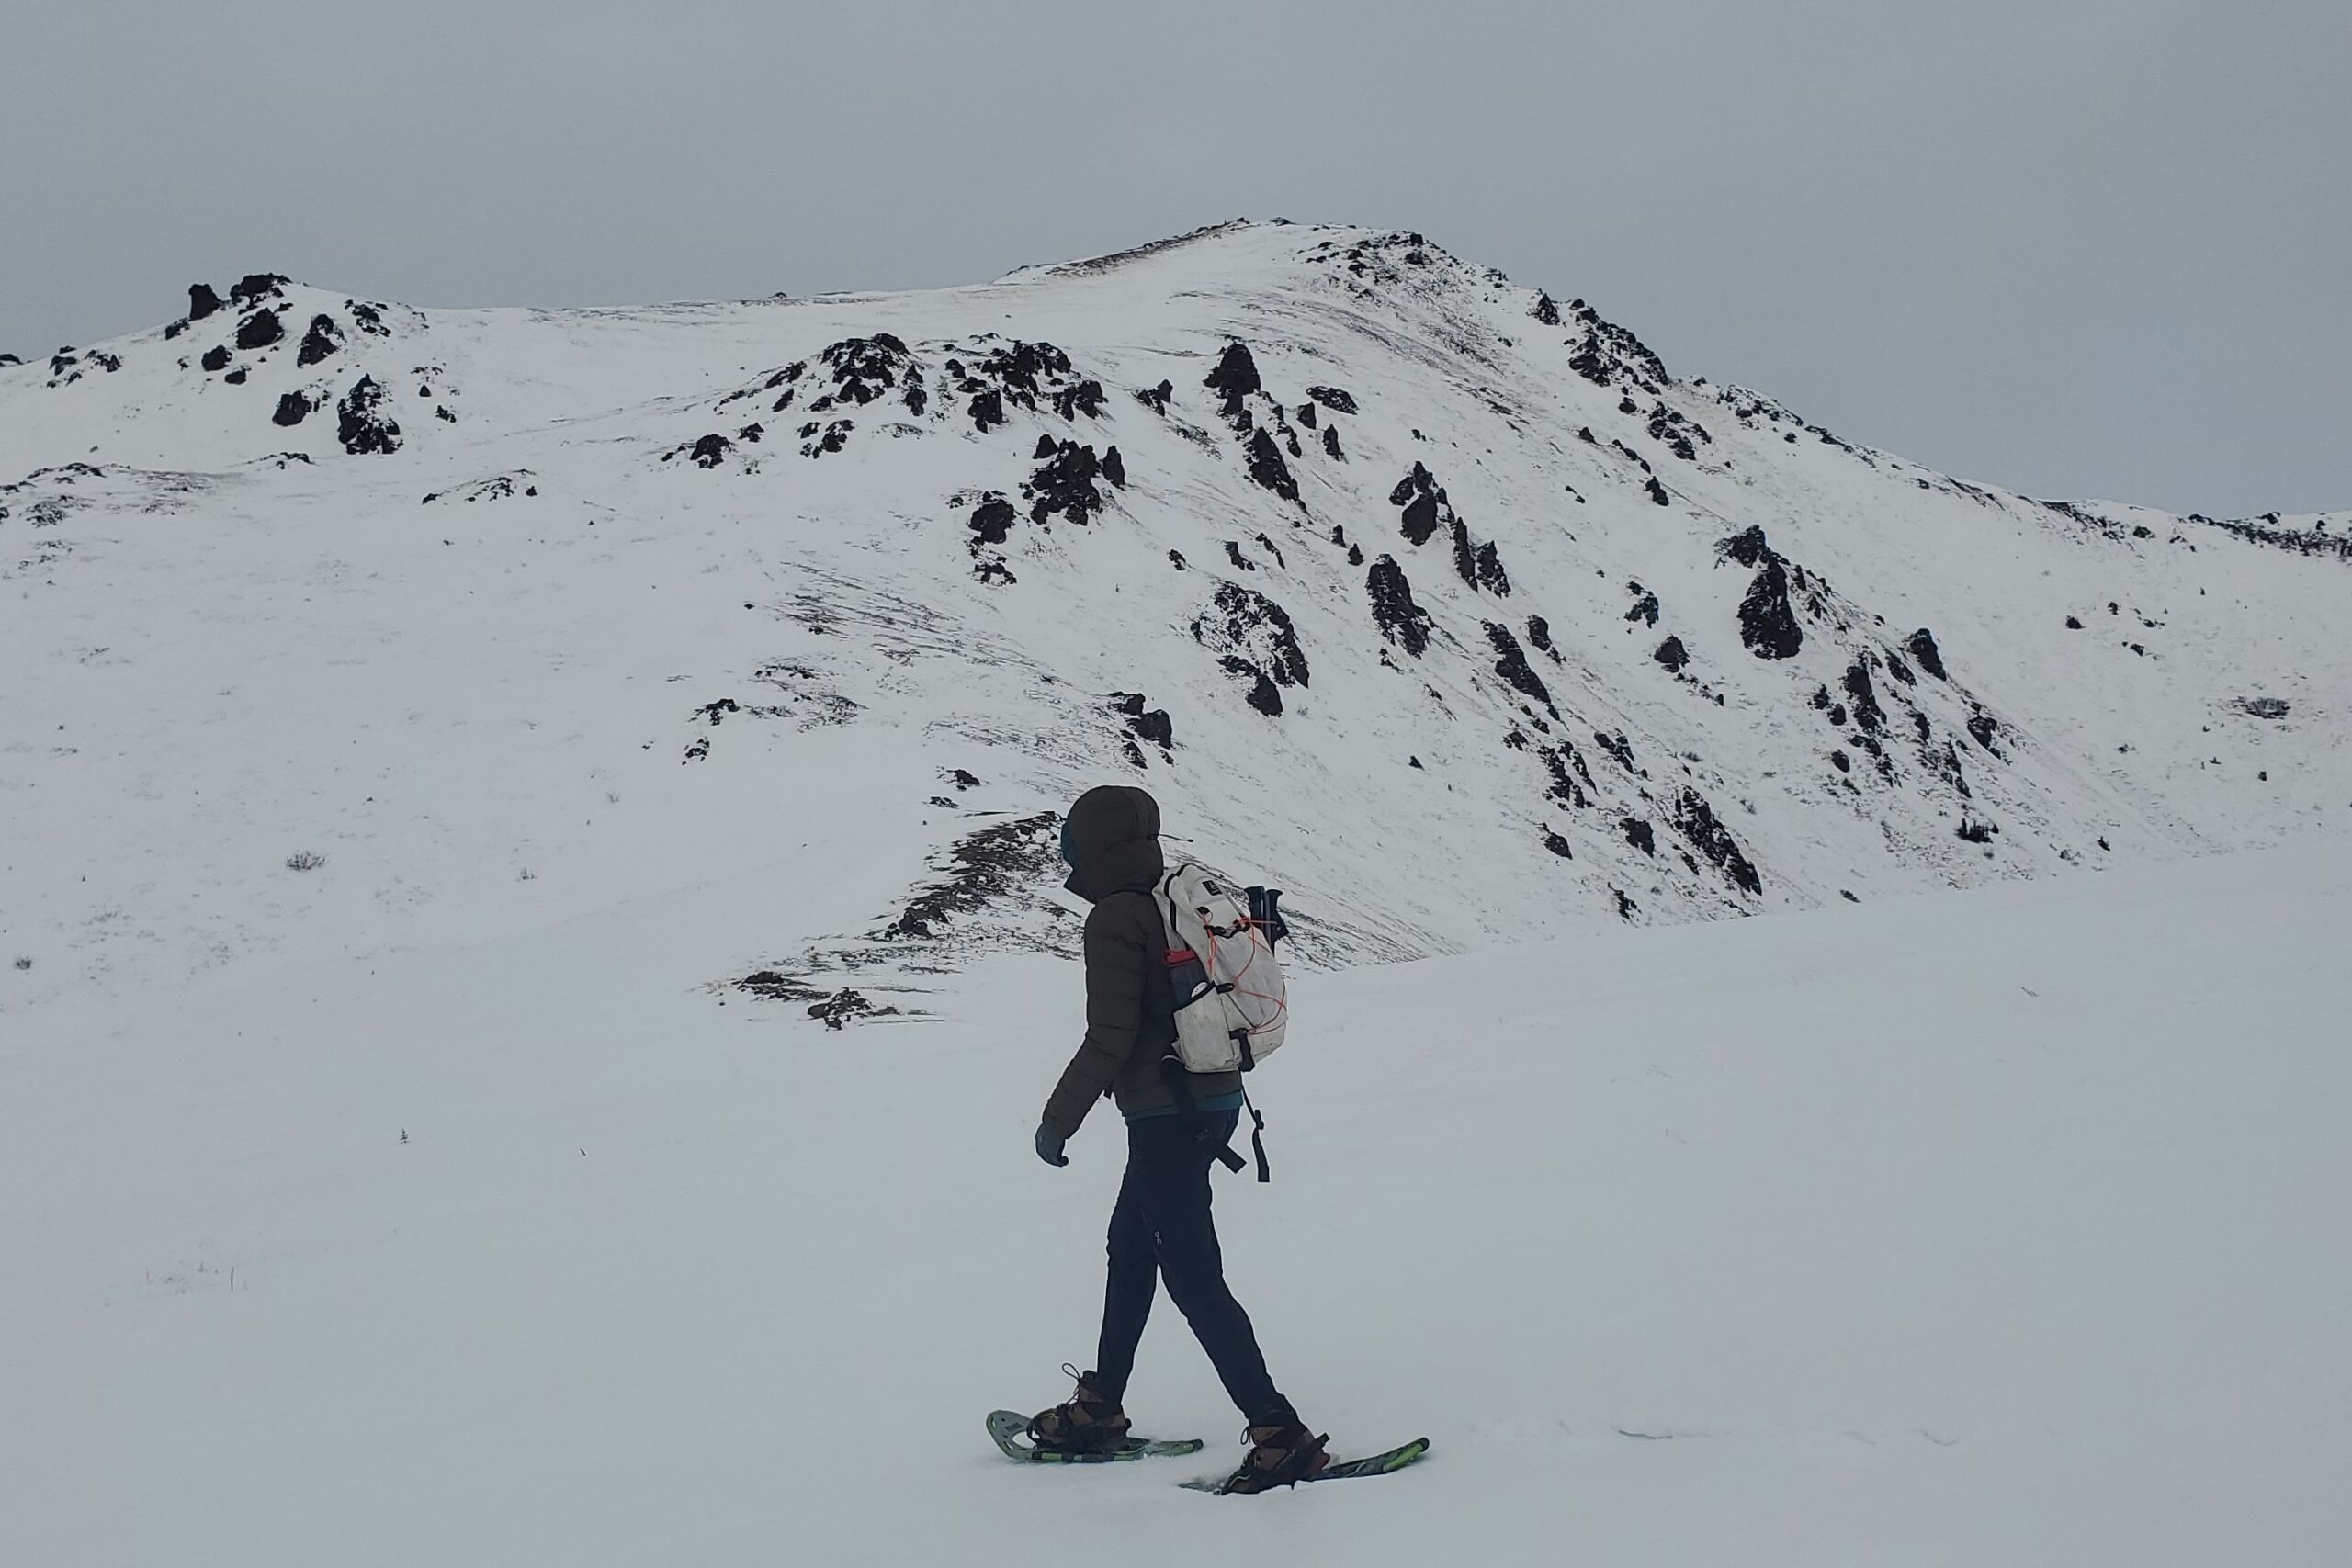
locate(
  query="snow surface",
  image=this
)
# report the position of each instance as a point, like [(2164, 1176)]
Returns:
[(2002, 1226), (488, 1193)]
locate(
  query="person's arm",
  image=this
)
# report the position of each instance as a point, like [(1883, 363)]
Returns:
[(1115, 957)]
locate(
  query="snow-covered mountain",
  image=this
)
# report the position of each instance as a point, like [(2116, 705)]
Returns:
[(446, 754), (1433, 598)]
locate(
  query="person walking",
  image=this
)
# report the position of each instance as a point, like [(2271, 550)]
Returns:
[(1160, 1227)]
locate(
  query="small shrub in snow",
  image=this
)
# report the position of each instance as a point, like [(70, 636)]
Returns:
[(305, 860), (23, 963)]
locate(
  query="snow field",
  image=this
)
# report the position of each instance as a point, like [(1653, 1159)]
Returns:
[(2001, 1227)]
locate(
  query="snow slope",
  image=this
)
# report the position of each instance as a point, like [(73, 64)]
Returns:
[(485, 1194), (2001, 1227), (523, 614)]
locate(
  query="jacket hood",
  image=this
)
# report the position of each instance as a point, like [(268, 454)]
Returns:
[(1111, 841)]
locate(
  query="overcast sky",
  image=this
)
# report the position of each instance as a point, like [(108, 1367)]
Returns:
[(2078, 247)]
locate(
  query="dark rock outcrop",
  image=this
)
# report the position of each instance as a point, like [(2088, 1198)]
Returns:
[(1246, 623), (323, 339), (1768, 624), (1400, 620), (361, 424), (260, 330), (1510, 663), (992, 519), (1921, 645), (862, 370), (1151, 725), (1425, 505), (293, 408), (1490, 573), (1263, 696), (1064, 483), (1235, 378), (1267, 467), (201, 301), (1082, 398), (1696, 821), (1867, 712)]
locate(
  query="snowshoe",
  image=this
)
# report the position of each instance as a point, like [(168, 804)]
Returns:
[(1086, 1423), (1281, 1455)]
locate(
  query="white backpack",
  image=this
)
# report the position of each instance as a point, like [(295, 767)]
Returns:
[(1230, 1002)]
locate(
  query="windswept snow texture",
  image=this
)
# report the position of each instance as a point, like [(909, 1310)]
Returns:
[(903, 534)]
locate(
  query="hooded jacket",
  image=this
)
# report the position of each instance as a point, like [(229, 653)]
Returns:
[(1111, 841)]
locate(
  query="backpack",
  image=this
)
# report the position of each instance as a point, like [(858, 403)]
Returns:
[(1232, 1007)]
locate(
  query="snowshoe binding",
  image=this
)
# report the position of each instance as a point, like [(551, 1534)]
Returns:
[(1086, 1423), (1283, 1454)]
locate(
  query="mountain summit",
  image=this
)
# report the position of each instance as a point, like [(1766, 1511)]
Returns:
[(1437, 599)]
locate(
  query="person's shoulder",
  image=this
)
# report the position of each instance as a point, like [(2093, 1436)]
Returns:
[(1126, 912)]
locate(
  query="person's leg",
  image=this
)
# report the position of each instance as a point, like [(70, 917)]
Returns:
[(1174, 1195), (1128, 1293)]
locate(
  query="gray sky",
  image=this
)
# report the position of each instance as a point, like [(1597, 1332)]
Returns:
[(2080, 247)]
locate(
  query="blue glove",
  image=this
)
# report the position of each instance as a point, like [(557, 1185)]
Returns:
[(1049, 1146)]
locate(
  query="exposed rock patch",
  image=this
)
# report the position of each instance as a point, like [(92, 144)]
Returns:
[(1064, 483), (1267, 467), (1151, 725), (323, 338), (1605, 352), (260, 330), (361, 424), (1400, 620), (1426, 509), (1510, 663), (1243, 621), (1767, 625), (1234, 379), (1696, 821), (1921, 646)]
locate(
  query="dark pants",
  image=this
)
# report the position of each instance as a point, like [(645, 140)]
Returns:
[(1161, 1229)]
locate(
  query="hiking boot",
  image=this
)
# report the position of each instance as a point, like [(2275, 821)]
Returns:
[(1280, 1455), (1084, 1424)]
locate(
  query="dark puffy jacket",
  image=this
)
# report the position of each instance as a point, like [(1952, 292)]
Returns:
[(1112, 841)]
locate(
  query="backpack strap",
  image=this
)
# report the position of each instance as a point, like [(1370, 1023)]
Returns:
[(1257, 1139), (1180, 1085)]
